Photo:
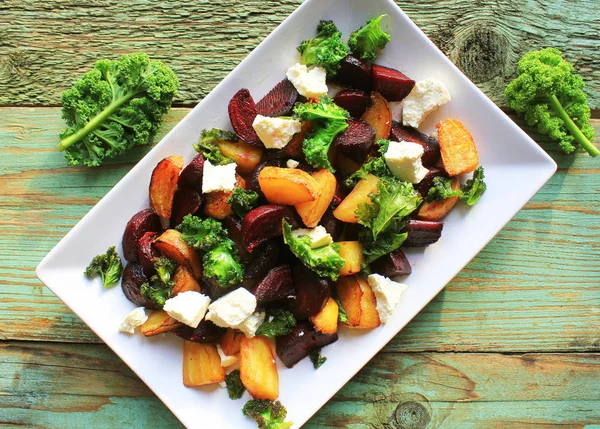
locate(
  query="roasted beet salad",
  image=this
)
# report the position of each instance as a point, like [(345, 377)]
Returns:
[(293, 223)]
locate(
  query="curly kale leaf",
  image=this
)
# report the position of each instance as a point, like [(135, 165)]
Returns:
[(202, 234), (375, 165), (326, 49), (442, 189), (235, 388), (209, 148), (242, 201), (386, 243), (328, 121), (223, 264), (474, 188), (316, 358), (114, 107), (108, 266), (325, 261), (164, 268), (278, 322), (367, 41)]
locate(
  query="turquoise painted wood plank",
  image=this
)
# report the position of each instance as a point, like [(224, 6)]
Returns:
[(534, 287), (50, 385), (204, 40)]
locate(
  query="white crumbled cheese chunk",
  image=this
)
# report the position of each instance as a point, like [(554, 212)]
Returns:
[(275, 133), (134, 319), (319, 236), (309, 83), (218, 177), (187, 307), (232, 309), (404, 161), (426, 96), (225, 359), (292, 163), (251, 324), (387, 293)]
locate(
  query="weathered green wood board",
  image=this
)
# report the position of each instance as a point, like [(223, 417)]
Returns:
[(535, 287), (45, 45), (51, 385)]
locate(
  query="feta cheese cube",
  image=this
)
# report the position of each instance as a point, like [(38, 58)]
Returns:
[(134, 319), (232, 309), (309, 83), (426, 96), (187, 307), (319, 236), (292, 163), (404, 161), (387, 293), (218, 177), (275, 133), (251, 324), (225, 359)]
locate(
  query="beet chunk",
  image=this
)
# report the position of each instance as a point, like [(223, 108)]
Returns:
[(242, 112), (263, 223), (356, 140), (354, 101), (142, 222), (392, 265), (422, 233), (206, 332), (133, 278), (311, 290), (427, 183), (191, 176), (391, 83), (279, 101), (186, 201), (277, 285), (298, 344), (147, 254), (354, 73), (431, 147), (262, 259)]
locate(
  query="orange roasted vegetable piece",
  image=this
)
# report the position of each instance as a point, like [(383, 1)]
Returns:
[(379, 116), (346, 211), (163, 184), (246, 157), (311, 212), (326, 320), (351, 251), (158, 322), (184, 281), (216, 202), (201, 364), (436, 210), (172, 245), (258, 371), (230, 343), (358, 300), (457, 147), (287, 186)]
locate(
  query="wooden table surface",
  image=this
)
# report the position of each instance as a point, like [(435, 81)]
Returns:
[(512, 342)]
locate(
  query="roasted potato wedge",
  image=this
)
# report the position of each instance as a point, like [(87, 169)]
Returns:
[(158, 322), (163, 185), (358, 300), (257, 368), (201, 364), (326, 321), (436, 210), (457, 147), (184, 281), (246, 157), (369, 317), (346, 211), (287, 186), (311, 212), (216, 202), (171, 244), (351, 251), (230, 343), (379, 116)]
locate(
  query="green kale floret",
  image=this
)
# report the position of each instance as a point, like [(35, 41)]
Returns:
[(549, 95), (221, 259), (329, 120), (278, 322), (325, 261), (108, 266), (164, 268), (390, 205), (207, 145), (375, 165), (235, 388), (267, 414), (242, 201), (367, 41), (386, 243), (316, 358), (326, 49), (470, 192), (114, 107), (160, 286)]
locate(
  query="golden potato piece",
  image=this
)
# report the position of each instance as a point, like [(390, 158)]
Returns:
[(201, 364), (158, 322), (351, 251), (457, 147), (379, 116), (172, 245), (436, 210), (257, 368), (184, 281), (311, 212), (245, 156), (326, 320), (346, 211), (287, 186), (163, 185)]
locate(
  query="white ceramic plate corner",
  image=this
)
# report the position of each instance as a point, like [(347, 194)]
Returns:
[(516, 168)]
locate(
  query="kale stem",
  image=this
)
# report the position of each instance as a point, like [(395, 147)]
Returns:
[(575, 131), (95, 122)]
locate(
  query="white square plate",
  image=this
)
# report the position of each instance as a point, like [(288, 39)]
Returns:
[(515, 168)]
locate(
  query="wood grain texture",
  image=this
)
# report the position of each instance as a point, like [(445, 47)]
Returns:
[(535, 287), (484, 39), (50, 385)]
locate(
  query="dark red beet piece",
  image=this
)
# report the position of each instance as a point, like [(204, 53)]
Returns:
[(275, 286), (234, 228), (147, 254), (140, 223), (191, 176), (431, 147), (427, 182), (354, 101), (422, 233), (186, 201), (279, 101), (298, 344), (264, 223), (133, 278), (392, 264), (206, 332), (242, 112), (311, 290), (262, 259), (391, 83), (356, 140), (354, 73)]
